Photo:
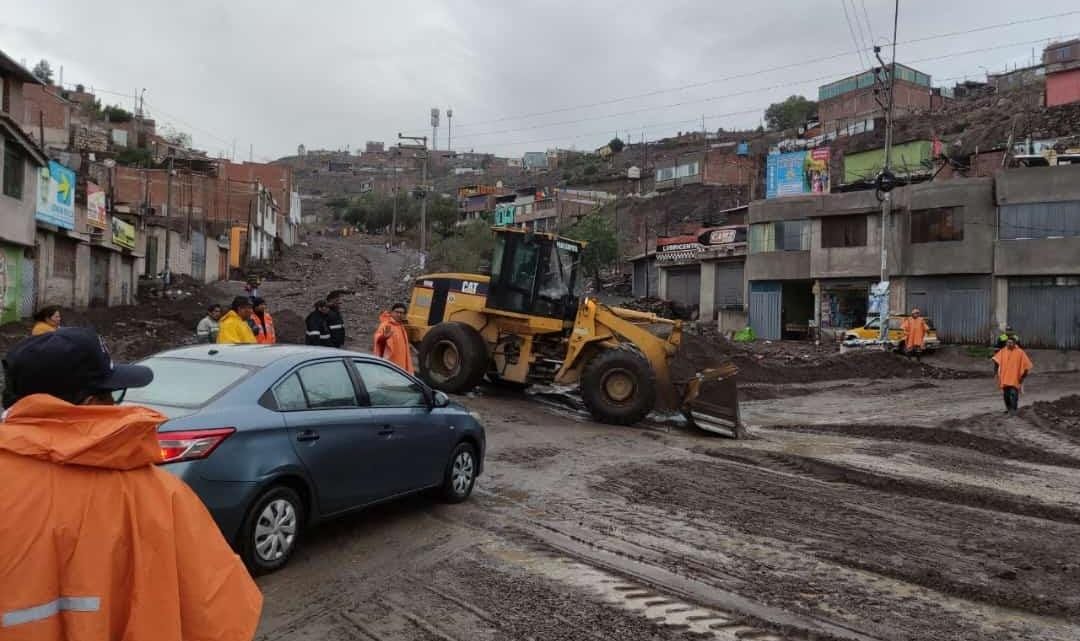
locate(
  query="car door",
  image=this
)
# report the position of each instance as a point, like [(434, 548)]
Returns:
[(333, 435), (422, 437)]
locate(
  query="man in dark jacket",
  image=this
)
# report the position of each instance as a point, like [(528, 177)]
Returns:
[(334, 319), (318, 327)]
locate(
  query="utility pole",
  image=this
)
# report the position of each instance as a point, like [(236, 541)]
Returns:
[(393, 217), (168, 209), (420, 144), (886, 180)]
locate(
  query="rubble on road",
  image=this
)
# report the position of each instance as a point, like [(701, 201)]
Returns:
[(795, 362)]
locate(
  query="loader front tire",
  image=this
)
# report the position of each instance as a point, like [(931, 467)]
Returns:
[(619, 387), (453, 358)]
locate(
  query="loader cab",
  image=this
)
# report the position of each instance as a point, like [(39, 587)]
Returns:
[(535, 274)]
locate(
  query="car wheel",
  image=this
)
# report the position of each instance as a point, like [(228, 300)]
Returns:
[(271, 530), (460, 476)]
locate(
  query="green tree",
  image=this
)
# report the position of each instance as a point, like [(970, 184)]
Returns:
[(442, 214), (467, 249), (616, 144), (116, 113), (789, 114), (43, 71), (603, 245), (590, 170)]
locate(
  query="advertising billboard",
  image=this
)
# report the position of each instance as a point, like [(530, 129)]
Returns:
[(123, 233), (95, 206), (56, 196), (504, 214), (797, 172)]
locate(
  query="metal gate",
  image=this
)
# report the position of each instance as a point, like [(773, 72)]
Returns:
[(99, 278), (645, 278), (958, 306), (27, 302), (684, 285), (151, 256), (198, 256), (729, 286), (1044, 313), (127, 274), (765, 299)]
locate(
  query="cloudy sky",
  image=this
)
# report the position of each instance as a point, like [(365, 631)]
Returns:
[(519, 75)]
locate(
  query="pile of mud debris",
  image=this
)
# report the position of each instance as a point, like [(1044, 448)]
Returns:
[(781, 362), (135, 331)]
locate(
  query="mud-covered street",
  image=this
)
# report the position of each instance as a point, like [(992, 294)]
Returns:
[(875, 499), (865, 508)]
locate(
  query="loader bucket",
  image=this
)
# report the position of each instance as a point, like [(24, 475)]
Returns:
[(711, 401)]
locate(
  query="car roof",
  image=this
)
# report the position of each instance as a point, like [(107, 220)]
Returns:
[(257, 356)]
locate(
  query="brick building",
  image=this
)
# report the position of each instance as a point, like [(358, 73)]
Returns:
[(851, 101), (46, 112), (1062, 62)]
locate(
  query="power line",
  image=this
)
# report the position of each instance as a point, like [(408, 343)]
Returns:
[(757, 72), (851, 30), (869, 26)]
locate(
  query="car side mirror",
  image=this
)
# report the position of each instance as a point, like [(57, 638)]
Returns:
[(440, 399)]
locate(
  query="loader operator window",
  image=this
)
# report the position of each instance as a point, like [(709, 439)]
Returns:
[(533, 275)]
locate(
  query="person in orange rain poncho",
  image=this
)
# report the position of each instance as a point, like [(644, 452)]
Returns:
[(98, 543), (391, 340), (915, 329), (1013, 366)]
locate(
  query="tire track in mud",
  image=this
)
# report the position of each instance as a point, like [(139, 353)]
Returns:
[(970, 496), (949, 435), (993, 558)]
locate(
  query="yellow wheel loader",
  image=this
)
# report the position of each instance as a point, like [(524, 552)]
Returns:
[(528, 323)]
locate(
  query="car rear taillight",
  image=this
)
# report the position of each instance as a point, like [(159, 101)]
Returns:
[(191, 445)]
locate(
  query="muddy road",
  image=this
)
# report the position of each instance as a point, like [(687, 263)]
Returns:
[(583, 531), (905, 508)]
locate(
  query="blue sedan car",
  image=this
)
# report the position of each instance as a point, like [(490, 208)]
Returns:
[(277, 437)]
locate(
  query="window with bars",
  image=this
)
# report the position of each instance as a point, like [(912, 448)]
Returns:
[(843, 231), (14, 169), (1039, 220), (941, 224)]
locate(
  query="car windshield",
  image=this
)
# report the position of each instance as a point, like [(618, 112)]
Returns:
[(185, 383)]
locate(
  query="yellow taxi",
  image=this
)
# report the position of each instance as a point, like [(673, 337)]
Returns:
[(871, 332)]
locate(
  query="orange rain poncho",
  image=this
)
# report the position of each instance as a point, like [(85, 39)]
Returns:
[(98, 543), (395, 347), (1013, 364), (914, 332)]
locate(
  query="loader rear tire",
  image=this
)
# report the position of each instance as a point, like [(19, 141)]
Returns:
[(453, 358), (619, 387)]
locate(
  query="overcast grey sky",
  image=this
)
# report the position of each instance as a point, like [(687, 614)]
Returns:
[(329, 74)]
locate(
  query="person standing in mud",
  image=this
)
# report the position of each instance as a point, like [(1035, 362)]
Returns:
[(47, 319), (234, 324), (1013, 366), (207, 329), (317, 328), (334, 319), (391, 340), (262, 322), (915, 330)]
